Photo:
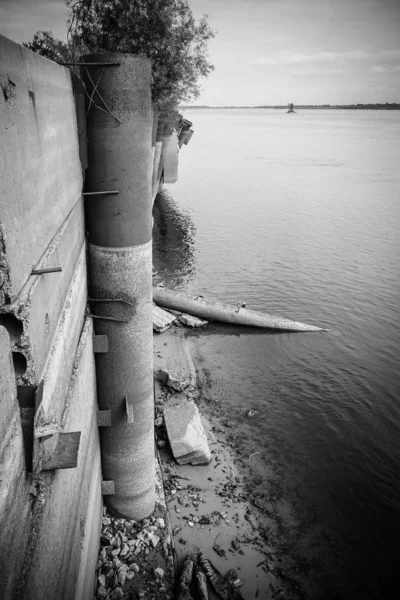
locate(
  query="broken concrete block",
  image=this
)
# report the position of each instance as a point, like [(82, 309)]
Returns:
[(162, 320), (173, 382), (186, 433), (193, 322)]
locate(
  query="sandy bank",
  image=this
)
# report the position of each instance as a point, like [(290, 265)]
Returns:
[(209, 506)]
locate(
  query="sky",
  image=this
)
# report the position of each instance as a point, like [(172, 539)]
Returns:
[(269, 52)]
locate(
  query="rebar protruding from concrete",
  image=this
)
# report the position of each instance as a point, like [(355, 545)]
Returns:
[(120, 274), (101, 193), (89, 64), (44, 271)]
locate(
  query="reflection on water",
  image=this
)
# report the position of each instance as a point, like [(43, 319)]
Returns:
[(173, 242), (310, 232)]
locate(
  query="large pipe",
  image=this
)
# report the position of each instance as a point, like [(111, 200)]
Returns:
[(199, 307), (126, 370), (120, 268)]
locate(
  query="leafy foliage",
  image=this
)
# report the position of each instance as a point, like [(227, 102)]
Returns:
[(47, 45), (163, 30)]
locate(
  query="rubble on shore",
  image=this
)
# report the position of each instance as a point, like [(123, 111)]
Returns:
[(193, 322), (162, 319), (137, 559)]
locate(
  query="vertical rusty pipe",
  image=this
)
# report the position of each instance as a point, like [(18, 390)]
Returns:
[(119, 128)]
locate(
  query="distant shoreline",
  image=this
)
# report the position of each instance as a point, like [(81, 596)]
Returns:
[(387, 106)]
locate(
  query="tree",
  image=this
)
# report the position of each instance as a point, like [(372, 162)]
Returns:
[(47, 45), (163, 30)]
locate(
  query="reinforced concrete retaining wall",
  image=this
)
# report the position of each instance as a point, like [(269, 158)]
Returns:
[(50, 480)]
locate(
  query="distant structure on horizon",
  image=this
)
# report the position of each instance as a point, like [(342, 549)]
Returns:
[(291, 109)]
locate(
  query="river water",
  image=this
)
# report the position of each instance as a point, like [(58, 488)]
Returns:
[(299, 215)]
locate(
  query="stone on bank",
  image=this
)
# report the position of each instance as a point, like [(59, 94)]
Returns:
[(186, 433)]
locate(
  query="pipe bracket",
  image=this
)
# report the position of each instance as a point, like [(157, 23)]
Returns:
[(129, 410), (65, 453)]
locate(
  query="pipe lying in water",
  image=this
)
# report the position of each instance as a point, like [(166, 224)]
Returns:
[(199, 307)]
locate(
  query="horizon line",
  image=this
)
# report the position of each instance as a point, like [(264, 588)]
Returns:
[(359, 104)]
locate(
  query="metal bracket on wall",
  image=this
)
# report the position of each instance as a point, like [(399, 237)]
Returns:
[(104, 418), (30, 396), (100, 344), (65, 453), (29, 399), (129, 410), (107, 488)]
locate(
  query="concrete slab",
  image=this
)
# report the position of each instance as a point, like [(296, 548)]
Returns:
[(60, 360), (33, 317), (63, 552), (15, 498), (186, 433), (40, 170)]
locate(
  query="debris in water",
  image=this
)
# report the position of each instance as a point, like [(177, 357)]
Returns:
[(185, 579), (201, 583), (217, 548), (253, 454), (222, 586)]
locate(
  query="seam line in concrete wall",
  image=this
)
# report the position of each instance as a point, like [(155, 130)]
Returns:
[(81, 346)]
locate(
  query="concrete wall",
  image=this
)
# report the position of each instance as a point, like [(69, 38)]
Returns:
[(49, 519), (40, 171)]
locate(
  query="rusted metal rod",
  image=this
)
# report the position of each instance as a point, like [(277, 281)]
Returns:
[(89, 64), (100, 193), (42, 271)]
